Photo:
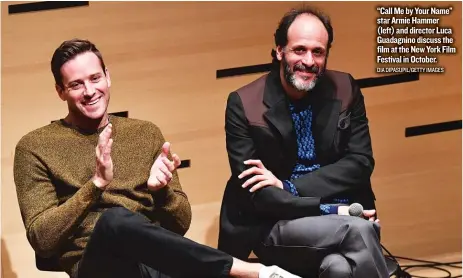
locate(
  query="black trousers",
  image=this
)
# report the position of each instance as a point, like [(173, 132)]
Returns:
[(330, 246), (125, 244)]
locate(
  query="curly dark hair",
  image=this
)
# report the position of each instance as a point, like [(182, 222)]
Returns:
[(281, 33)]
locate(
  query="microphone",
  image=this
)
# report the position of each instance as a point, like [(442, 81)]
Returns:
[(356, 209)]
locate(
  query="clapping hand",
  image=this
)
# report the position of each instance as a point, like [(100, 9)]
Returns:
[(161, 171)]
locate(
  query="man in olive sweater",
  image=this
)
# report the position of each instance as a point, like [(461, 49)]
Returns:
[(102, 192)]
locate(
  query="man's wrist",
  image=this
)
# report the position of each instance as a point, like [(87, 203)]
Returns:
[(100, 183), (343, 210)]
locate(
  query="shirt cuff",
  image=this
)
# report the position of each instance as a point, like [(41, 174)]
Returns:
[(290, 187), (328, 209)]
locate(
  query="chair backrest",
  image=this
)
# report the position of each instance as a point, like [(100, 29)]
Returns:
[(48, 264), (392, 267)]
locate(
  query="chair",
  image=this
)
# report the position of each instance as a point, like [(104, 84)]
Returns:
[(392, 267)]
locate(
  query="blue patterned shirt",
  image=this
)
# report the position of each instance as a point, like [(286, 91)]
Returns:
[(302, 120)]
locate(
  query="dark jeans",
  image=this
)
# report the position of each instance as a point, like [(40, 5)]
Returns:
[(330, 246), (125, 244)]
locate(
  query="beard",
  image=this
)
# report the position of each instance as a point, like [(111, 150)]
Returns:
[(293, 81)]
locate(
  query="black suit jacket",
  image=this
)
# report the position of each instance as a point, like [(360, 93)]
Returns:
[(259, 126)]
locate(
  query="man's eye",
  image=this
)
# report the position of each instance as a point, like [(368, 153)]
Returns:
[(75, 86)]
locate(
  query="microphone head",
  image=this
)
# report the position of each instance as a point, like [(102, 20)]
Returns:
[(356, 209)]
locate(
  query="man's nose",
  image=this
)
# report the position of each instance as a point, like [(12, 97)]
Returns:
[(308, 59), (89, 89)]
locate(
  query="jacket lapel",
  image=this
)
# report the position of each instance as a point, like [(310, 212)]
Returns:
[(326, 109), (279, 116), (278, 113), (326, 114)]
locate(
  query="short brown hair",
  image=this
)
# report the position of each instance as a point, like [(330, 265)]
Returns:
[(67, 51)]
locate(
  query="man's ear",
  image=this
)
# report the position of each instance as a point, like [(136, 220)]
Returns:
[(108, 77), (60, 92), (279, 53)]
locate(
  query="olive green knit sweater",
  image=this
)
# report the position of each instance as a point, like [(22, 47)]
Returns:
[(59, 203)]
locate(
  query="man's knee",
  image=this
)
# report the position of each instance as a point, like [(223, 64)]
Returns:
[(364, 227), (113, 218), (335, 266)]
